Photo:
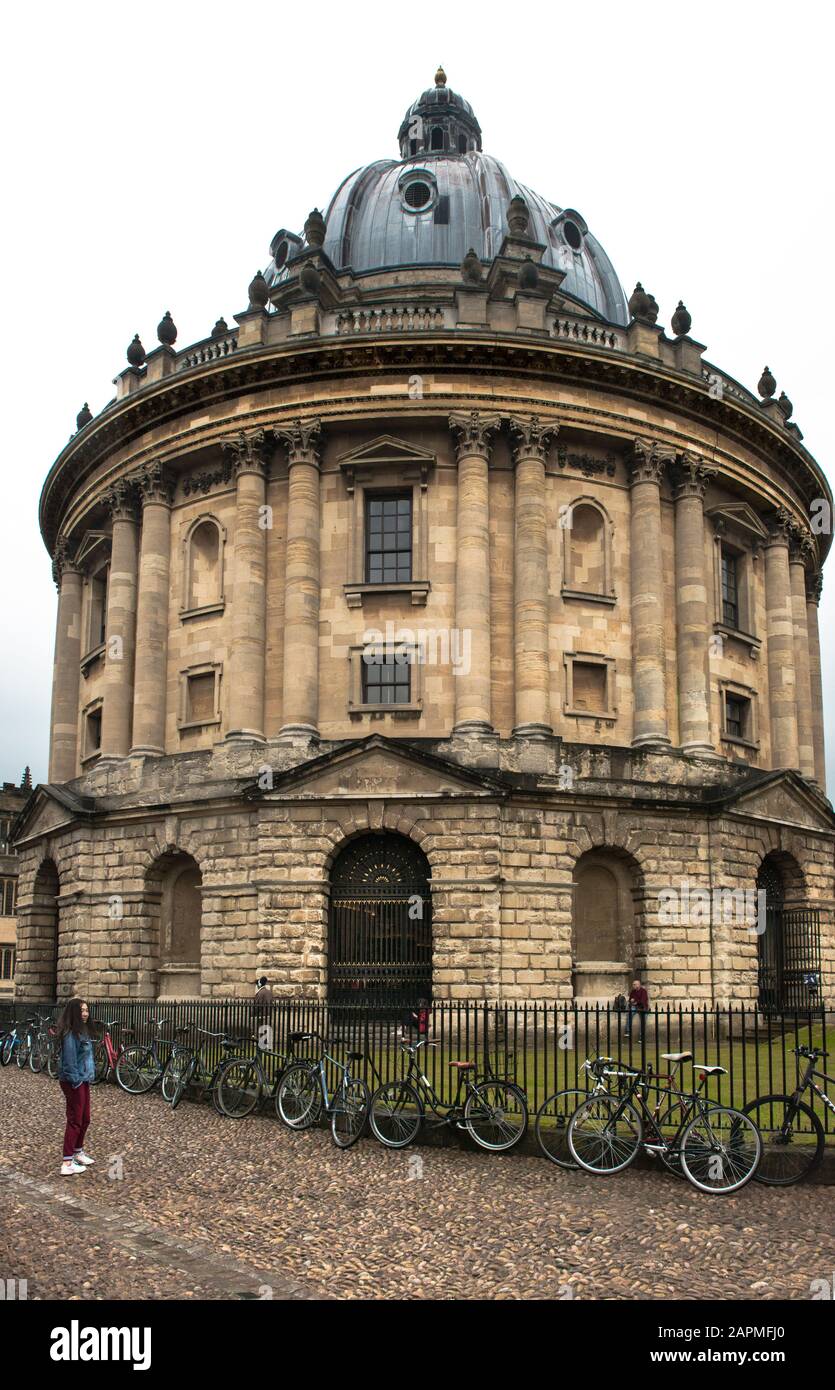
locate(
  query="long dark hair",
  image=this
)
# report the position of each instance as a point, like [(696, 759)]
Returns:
[(71, 1020)]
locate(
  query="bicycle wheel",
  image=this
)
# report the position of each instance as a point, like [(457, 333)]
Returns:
[(395, 1114), (720, 1150), (137, 1070), (23, 1053), (37, 1056), (496, 1115), (298, 1101), (350, 1112), (8, 1050), (551, 1125), (668, 1126), (185, 1076), (53, 1060), (604, 1135), (792, 1146), (238, 1088), (177, 1064), (101, 1063)]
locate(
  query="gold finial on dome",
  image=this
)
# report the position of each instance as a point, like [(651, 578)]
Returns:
[(440, 77)]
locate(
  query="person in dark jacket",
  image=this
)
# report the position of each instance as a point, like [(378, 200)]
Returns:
[(263, 998), (75, 1073), (638, 1004)]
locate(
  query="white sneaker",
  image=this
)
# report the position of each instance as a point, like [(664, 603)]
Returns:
[(82, 1157), (70, 1166)]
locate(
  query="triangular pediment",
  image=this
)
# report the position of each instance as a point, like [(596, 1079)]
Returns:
[(740, 516), (386, 449), (380, 768), (49, 808), (784, 798)]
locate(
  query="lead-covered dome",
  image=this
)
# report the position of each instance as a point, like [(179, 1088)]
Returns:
[(444, 196)]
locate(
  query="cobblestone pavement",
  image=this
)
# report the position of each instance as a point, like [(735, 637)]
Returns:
[(212, 1208)]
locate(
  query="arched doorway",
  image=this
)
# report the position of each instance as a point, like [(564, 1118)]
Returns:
[(788, 940), (178, 901), (42, 934), (380, 929), (603, 946)]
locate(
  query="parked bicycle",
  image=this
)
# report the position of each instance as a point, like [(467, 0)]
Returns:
[(190, 1065), (792, 1134), (304, 1096), (244, 1083), (554, 1114), (106, 1054), (17, 1043), (717, 1146), (45, 1052), (141, 1065), (493, 1111)]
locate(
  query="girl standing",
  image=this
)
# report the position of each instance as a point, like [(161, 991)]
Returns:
[(75, 1074)]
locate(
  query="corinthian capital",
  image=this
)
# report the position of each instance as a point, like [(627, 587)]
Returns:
[(649, 460), (154, 483), (780, 524), (690, 475), (302, 440), (61, 562), (472, 432), (247, 452), (120, 500), (531, 436), (814, 586)]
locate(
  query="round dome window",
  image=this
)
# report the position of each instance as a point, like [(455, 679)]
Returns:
[(573, 235), (417, 195), (281, 254)]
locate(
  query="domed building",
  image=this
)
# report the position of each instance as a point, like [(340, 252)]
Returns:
[(444, 626)]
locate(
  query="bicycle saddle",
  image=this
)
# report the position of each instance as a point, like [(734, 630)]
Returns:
[(677, 1056), (710, 1071), (300, 1037), (463, 1066), (356, 1056)]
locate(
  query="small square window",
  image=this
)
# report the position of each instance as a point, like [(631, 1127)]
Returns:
[(590, 687), (200, 706), (386, 678), (92, 732), (737, 717)]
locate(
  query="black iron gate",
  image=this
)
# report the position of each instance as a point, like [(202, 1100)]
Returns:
[(790, 959), (380, 932)]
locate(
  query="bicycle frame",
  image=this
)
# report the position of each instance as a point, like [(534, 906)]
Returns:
[(640, 1084)]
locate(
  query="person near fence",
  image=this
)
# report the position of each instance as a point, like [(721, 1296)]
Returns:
[(263, 998), (75, 1073), (638, 1004), (416, 1022)]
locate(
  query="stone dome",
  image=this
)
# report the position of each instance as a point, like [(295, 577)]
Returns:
[(444, 196)]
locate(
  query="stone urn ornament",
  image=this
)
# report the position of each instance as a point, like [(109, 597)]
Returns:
[(642, 306), (766, 384), (681, 321), (136, 352), (518, 216), (310, 279), (472, 270), (167, 330), (314, 229), (83, 417), (258, 292), (528, 275), (220, 329), (785, 405)]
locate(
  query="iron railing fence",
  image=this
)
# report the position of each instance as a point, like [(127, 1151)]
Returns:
[(542, 1046)]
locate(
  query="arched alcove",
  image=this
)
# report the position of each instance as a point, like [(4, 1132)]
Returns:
[(380, 926), (175, 901), (604, 924)]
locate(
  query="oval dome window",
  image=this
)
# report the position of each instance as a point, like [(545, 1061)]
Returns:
[(417, 195), (573, 235), (281, 254)]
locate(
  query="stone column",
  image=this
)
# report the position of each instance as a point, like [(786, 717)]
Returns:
[(120, 629), (780, 643), (690, 480), (63, 750), (814, 582), (647, 572), (472, 570), (156, 490), (532, 717), (799, 548), (247, 657), (301, 601)]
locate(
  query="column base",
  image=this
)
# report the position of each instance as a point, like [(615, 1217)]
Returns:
[(291, 731), (659, 741), (701, 750), (244, 736), (540, 731), (474, 728), (146, 751)]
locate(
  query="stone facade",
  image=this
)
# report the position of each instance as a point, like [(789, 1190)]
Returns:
[(607, 589)]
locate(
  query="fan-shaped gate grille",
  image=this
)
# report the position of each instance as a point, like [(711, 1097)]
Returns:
[(380, 933)]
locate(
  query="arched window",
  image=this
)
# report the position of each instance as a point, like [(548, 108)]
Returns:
[(587, 561), (436, 141), (203, 567), (604, 925), (380, 932)]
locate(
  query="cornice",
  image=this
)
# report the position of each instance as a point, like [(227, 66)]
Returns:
[(321, 359)]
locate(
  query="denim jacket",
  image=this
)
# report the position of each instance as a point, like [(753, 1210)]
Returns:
[(76, 1060)]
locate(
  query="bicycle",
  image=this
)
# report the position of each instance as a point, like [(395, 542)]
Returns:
[(43, 1050), (105, 1053), (243, 1083), (494, 1111), (789, 1153), (11, 1041), (140, 1066), (303, 1095), (553, 1115), (717, 1146), (188, 1066)]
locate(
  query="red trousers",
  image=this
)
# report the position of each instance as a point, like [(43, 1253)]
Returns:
[(78, 1116)]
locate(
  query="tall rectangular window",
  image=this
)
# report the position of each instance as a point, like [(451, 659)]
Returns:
[(386, 679), (8, 896), (388, 538), (730, 589), (736, 716)]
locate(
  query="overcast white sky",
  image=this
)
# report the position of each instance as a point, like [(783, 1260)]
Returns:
[(151, 151)]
